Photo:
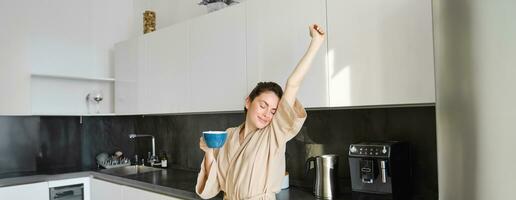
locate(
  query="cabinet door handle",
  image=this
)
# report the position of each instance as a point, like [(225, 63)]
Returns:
[(63, 194)]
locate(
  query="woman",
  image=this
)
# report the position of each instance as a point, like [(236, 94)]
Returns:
[(251, 164)]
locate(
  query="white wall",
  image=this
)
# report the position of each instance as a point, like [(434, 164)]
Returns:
[(475, 53), (76, 37), (68, 37), (62, 36), (58, 37), (14, 49)]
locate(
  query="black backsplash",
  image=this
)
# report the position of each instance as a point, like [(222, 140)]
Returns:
[(33, 145)]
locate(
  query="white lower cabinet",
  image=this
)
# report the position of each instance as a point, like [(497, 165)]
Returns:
[(103, 190), (129, 193), (34, 191)]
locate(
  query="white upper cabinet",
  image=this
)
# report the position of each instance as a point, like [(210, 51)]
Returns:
[(166, 71), (380, 52), (194, 66), (277, 38), (129, 62), (217, 60), (376, 53)]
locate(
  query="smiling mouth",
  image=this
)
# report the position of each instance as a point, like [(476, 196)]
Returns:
[(263, 121)]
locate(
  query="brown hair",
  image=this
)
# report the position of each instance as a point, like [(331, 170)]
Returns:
[(265, 87)]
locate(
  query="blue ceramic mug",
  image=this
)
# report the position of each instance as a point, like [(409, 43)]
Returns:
[(215, 139)]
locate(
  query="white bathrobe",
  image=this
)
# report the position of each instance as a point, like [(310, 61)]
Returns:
[(255, 169)]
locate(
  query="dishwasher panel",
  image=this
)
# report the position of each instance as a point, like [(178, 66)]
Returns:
[(69, 192)]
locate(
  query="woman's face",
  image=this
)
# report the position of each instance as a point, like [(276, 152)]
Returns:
[(261, 109)]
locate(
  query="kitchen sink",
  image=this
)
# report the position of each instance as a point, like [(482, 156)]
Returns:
[(130, 170)]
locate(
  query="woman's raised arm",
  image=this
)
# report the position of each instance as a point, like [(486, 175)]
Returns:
[(296, 78)]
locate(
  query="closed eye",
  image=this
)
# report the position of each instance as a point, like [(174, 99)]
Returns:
[(263, 104)]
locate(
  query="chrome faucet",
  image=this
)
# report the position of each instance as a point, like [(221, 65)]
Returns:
[(153, 159)]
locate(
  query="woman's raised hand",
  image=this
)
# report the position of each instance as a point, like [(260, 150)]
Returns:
[(316, 32), (297, 76)]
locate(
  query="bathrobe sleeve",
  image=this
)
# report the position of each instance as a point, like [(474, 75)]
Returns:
[(287, 122), (216, 180), (211, 186)]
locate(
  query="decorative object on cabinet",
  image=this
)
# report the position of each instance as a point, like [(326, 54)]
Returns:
[(149, 21), (214, 5)]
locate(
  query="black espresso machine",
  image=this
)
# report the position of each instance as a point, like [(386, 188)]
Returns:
[(380, 170)]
